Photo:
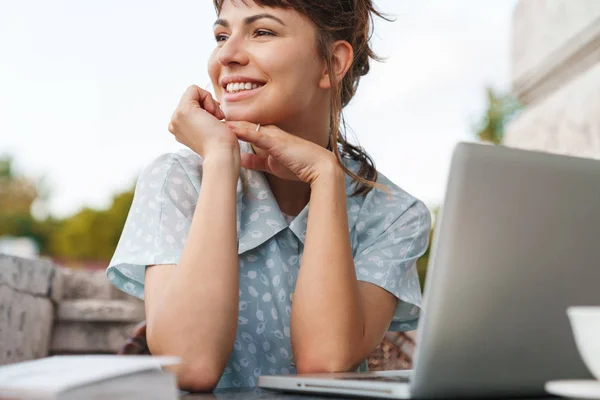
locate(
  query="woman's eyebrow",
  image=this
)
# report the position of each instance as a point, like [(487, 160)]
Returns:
[(250, 20)]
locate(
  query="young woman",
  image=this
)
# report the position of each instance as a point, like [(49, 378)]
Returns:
[(272, 246)]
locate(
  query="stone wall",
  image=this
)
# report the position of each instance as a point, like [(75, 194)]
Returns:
[(93, 316), (29, 291), (556, 74), (46, 310)]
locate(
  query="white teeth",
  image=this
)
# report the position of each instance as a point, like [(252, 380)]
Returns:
[(239, 86)]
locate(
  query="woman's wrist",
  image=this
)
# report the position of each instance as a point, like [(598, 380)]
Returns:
[(223, 160), (329, 172)]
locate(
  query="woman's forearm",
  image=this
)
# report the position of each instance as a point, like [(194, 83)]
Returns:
[(327, 320), (198, 312)]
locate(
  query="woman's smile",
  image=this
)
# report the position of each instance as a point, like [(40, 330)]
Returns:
[(239, 95), (238, 88)]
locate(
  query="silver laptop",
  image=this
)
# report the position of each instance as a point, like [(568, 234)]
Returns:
[(517, 241)]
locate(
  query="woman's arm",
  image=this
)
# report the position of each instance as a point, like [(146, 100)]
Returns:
[(192, 307), (337, 321)]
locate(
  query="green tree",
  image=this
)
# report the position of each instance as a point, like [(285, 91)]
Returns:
[(92, 234), (88, 235), (501, 109), (17, 194)]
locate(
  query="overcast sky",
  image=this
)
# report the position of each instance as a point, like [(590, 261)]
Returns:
[(87, 88)]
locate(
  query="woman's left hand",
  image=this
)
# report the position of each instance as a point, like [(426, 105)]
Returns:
[(288, 156)]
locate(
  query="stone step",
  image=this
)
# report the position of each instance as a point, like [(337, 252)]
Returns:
[(94, 310), (86, 284), (70, 337), (35, 277)]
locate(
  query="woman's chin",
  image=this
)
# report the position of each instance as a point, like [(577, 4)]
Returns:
[(233, 114)]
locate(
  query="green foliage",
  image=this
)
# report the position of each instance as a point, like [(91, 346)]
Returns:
[(87, 235), (501, 109), (17, 194), (6, 167), (91, 234)]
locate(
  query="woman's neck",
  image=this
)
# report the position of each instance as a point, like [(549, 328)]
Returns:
[(293, 196)]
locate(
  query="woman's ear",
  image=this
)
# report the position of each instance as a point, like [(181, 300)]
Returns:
[(342, 56)]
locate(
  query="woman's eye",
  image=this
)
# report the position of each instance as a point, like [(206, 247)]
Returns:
[(262, 32), (220, 38)]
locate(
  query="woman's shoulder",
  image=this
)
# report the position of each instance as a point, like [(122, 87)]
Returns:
[(397, 197), (186, 160), (377, 201), (174, 167)]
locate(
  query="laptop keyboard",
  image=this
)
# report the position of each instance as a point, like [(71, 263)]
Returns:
[(396, 379)]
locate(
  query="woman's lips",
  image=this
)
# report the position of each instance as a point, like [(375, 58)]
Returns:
[(241, 95)]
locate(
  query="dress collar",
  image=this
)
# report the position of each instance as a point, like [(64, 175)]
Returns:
[(258, 215)]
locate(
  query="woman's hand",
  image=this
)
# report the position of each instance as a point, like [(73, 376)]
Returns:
[(196, 123), (288, 156)]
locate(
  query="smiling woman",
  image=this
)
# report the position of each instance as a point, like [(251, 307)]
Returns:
[(219, 240), (291, 47)]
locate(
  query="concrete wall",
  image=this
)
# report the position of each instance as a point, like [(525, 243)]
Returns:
[(93, 316), (46, 310), (556, 74), (29, 291)]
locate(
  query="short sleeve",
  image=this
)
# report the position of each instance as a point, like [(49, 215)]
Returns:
[(157, 224), (391, 239)]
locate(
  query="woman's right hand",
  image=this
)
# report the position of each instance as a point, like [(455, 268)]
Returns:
[(196, 123)]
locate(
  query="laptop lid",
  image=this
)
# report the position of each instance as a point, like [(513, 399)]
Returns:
[(517, 241)]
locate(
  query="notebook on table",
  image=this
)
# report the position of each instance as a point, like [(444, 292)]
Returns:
[(90, 376)]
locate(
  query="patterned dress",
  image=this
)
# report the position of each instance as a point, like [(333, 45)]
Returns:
[(387, 235)]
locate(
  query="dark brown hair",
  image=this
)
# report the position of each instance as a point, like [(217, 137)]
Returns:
[(352, 21)]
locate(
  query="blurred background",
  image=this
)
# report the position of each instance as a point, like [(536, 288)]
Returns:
[(88, 88)]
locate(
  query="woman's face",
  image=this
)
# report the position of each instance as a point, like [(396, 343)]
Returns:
[(265, 67)]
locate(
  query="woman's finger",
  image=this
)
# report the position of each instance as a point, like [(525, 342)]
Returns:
[(212, 106), (264, 137), (193, 94), (221, 114), (266, 164), (198, 97), (254, 162)]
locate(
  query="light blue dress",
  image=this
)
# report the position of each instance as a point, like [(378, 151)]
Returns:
[(387, 236)]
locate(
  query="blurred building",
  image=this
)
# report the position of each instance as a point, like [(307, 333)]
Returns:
[(556, 75)]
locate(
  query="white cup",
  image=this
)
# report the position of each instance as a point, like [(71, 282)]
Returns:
[(585, 322)]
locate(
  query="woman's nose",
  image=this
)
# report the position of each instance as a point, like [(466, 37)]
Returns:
[(233, 52)]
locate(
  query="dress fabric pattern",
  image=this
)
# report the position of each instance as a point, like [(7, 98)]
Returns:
[(387, 235)]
